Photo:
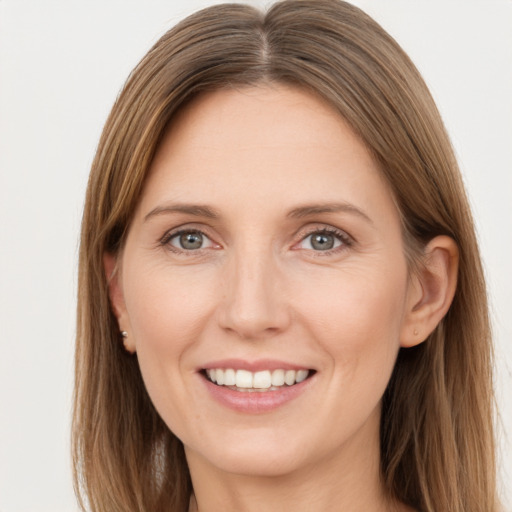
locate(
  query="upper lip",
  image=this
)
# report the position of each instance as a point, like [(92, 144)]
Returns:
[(254, 366)]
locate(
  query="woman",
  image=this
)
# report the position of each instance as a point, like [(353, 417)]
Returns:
[(281, 301)]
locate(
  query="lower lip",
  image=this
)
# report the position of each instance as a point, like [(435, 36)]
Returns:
[(257, 401)]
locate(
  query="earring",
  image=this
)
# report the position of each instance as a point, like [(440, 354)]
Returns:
[(415, 332), (128, 349)]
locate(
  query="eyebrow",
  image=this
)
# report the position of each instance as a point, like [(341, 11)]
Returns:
[(316, 209), (300, 212), (191, 209)]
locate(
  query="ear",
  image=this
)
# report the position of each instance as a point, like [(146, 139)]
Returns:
[(431, 290), (116, 295)]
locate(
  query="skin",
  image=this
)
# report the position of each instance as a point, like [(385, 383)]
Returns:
[(258, 289)]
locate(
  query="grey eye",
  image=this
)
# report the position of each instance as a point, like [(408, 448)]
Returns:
[(188, 241), (322, 241)]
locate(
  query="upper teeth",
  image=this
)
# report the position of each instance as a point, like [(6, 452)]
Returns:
[(257, 380)]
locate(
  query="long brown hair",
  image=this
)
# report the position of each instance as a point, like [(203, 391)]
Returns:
[(437, 446)]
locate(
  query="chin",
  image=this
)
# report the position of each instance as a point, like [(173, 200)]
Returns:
[(272, 456), (250, 458)]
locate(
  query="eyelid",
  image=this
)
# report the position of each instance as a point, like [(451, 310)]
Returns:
[(170, 234), (204, 239), (345, 239)]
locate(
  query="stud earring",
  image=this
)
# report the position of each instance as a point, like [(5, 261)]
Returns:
[(415, 332), (128, 349)]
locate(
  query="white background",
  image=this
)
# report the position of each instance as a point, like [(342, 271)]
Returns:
[(62, 64)]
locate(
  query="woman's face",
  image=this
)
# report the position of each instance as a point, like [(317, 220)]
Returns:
[(266, 249)]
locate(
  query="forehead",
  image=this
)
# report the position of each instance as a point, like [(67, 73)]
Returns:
[(260, 145), (267, 116)]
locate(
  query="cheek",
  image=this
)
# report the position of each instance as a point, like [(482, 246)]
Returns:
[(356, 317), (167, 313), (358, 328), (166, 307)]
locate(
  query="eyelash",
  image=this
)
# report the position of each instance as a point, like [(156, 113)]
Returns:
[(166, 239), (341, 236)]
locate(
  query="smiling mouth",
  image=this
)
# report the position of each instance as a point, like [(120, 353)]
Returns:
[(266, 380)]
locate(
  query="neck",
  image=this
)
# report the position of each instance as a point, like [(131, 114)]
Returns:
[(347, 479)]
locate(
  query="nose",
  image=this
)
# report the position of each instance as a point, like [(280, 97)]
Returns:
[(253, 304)]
